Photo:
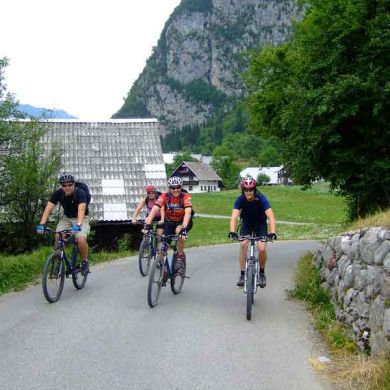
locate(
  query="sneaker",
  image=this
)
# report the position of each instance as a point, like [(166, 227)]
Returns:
[(180, 259), (85, 268), (241, 280), (262, 280)]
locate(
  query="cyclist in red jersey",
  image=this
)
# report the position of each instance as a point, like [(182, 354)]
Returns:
[(178, 216)]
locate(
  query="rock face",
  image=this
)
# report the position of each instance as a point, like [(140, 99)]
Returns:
[(356, 268), (203, 50)]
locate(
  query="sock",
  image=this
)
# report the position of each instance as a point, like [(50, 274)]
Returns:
[(261, 270), (242, 273)]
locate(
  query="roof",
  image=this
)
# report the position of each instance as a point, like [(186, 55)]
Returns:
[(117, 158), (201, 171), (271, 172)]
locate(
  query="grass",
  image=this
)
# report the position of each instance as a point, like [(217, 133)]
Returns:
[(16, 272), (290, 203), (347, 368)]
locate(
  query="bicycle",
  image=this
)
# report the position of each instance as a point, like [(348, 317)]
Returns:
[(163, 270), (147, 249), (57, 267), (251, 272)]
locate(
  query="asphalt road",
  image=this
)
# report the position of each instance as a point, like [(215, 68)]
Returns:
[(107, 337)]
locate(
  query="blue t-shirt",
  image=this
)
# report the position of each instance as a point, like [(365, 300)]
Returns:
[(253, 212)]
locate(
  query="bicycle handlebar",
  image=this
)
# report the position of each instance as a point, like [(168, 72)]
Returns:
[(66, 231), (251, 238)]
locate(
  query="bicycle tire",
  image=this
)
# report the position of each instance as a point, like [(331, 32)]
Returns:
[(78, 279), (249, 292), (177, 280), (53, 277), (144, 257), (155, 280)]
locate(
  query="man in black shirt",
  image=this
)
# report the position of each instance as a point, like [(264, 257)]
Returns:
[(74, 201)]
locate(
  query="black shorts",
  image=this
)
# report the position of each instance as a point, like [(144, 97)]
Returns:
[(257, 230), (170, 227)]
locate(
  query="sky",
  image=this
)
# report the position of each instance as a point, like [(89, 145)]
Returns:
[(80, 56)]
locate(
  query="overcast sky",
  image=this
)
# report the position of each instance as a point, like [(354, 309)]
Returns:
[(81, 56)]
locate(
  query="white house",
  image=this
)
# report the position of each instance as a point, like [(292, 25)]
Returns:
[(198, 177), (277, 175)]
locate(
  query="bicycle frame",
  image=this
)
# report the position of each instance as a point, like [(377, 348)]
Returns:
[(64, 237), (252, 259)]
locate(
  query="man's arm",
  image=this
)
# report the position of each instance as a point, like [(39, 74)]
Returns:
[(271, 218), (187, 216), (233, 219), (152, 214), (46, 213), (81, 213)]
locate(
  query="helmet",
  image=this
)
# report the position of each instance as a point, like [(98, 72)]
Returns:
[(248, 183), (175, 181), (66, 177), (150, 188)]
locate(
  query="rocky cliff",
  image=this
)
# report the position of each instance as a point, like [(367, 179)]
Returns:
[(203, 49)]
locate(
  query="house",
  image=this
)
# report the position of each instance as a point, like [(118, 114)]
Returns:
[(117, 158), (198, 177), (277, 175)]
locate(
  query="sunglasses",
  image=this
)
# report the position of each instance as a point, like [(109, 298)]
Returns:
[(174, 187), (150, 192), (67, 185), (248, 190)]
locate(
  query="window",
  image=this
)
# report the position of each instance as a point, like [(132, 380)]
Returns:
[(189, 188)]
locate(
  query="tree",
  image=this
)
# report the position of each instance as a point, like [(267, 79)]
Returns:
[(262, 179), (224, 164), (326, 96), (27, 173)]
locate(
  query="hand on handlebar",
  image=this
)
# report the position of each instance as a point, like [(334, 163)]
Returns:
[(233, 235), (183, 233), (272, 236), (40, 229)]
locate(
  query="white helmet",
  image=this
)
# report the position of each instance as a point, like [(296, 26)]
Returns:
[(175, 181)]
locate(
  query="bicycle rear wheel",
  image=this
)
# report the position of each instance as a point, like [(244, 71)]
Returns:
[(155, 280), (249, 292), (144, 257), (177, 280), (53, 277), (77, 278)]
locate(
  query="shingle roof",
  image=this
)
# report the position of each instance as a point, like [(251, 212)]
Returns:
[(202, 171), (116, 158)]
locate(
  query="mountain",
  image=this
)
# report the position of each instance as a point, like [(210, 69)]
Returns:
[(196, 68), (38, 112)]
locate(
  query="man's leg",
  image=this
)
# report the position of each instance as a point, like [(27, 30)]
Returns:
[(83, 244), (262, 247)]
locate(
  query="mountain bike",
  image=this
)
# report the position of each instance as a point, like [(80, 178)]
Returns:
[(163, 270), (57, 266), (251, 271), (147, 249)]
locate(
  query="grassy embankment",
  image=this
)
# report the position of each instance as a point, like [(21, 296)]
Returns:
[(323, 212), (348, 367)]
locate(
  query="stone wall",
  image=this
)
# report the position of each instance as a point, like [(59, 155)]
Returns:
[(355, 267)]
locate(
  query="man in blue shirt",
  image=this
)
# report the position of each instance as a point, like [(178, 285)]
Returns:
[(253, 208)]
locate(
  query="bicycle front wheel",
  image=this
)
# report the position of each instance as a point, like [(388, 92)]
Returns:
[(155, 280), (53, 277), (144, 257), (177, 280), (249, 292), (77, 278)]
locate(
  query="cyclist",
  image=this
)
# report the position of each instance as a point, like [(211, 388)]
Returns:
[(149, 201), (74, 201), (253, 208), (178, 214)]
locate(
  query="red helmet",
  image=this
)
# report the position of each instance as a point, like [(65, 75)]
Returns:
[(150, 188), (248, 183)]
